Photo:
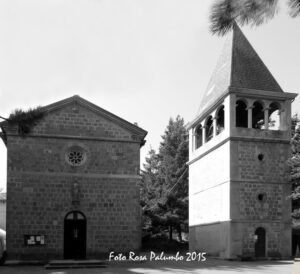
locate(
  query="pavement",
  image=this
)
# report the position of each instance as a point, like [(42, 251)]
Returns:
[(296, 268), (210, 266)]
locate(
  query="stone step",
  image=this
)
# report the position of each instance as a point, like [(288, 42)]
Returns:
[(60, 264)]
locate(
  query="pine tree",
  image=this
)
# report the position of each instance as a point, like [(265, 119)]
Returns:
[(224, 13), (174, 155), (165, 181), (294, 164)]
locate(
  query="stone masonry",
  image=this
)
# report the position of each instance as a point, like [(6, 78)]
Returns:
[(41, 182)]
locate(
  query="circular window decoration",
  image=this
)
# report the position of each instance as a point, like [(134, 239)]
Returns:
[(75, 156)]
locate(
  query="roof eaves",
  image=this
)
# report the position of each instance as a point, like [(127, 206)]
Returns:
[(207, 111)]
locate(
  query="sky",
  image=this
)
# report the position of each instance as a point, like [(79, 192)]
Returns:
[(145, 61)]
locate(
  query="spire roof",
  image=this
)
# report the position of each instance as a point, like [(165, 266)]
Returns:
[(239, 66)]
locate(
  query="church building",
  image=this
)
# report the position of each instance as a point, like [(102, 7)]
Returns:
[(239, 145), (73, 184)]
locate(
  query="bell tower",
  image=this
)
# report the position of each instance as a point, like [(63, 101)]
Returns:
[(239, 145)]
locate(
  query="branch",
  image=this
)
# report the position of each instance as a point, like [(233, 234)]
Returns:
[(4, 118), (294, 6), (224, 13), (222, 16)]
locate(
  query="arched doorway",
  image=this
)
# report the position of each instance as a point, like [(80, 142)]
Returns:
[(75, 235), (260, 242)]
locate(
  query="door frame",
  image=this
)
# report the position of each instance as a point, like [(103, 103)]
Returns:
[(261, 235), (75, 216)]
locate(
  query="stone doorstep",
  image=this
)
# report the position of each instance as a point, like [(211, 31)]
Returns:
[(21, 262), (57, 262), (61, 264), (70, 266)]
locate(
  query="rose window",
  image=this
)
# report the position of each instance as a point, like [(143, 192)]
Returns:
[(75, 156)]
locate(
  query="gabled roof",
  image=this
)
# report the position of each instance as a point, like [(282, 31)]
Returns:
[(97, 110), (239, 66)]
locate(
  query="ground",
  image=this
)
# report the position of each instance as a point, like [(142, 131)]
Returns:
[(211, 266)]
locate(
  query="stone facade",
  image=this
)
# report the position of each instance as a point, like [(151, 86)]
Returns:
[(44, 186), (238, 176)]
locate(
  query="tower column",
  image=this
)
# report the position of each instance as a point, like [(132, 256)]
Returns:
[(266, 118), (281, 119), (250, 116), (203, 133), (215, 125), (229, 113), (214, 118), (193, 139)]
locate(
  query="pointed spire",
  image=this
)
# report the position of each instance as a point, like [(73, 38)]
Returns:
[(238, 66)]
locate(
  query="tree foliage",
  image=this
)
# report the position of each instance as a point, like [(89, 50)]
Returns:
[(25, 119), (164, 190), (294, 163), (224, 13)]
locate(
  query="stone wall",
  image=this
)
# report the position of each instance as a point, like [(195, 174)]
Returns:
[(259, 190), (272, 168), (39, 203), (271, 205), (40, 183), (41, 154), (75, 120), (278, 238)]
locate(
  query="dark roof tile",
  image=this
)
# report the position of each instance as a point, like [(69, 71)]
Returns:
[(238, 66)]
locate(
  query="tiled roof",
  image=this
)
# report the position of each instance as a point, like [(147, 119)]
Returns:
[(238, 66)]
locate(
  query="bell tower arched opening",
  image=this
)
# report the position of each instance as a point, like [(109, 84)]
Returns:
[(220, 120), (198, 136), (241, 114), (257, 115), (274, 116), (209, 126), (241, 119)]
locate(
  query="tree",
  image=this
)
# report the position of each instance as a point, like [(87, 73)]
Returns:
[(294, 164), (224, 13), (25, 119), (174, 155), (164, 190), (150, 189)]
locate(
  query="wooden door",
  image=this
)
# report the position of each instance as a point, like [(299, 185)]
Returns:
[(75, 236), (260, 243)]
